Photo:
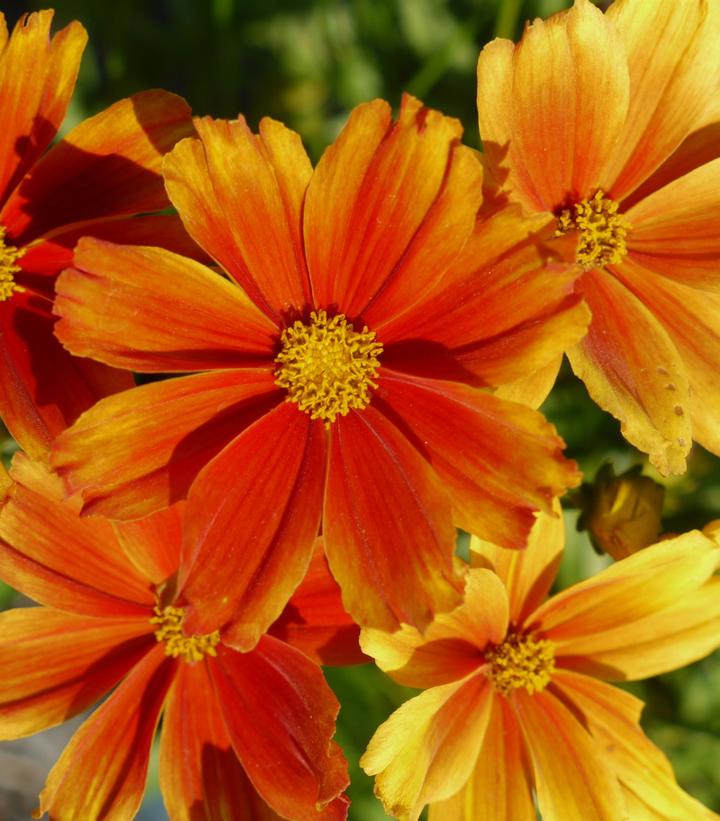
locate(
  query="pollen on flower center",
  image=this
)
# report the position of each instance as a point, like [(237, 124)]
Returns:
[(9, 255), (170, 632), (602, 230), (326, 366), (521, 661)]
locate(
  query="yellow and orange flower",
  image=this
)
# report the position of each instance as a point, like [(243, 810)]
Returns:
[(106, 168), (336, 369), (233, 723), (517, 711), (607, 123)]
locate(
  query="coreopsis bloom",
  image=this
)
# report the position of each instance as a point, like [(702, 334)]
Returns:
[(105, 168), (339, 377), (607, 124), (517, 711), (251, 731)]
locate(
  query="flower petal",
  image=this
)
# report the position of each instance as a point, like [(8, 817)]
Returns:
[(252, 517), (240, 197), (376, 480), (628, 364), (552, 108), (188, 421), (369, 196), (57, 558), (191, 319), (533, 389), (280, 716), (102, 771), (154, 544), (109, 165), (500, 461), (55, 665), (37, 78), (573, 778), (427, 749), (315, 621)]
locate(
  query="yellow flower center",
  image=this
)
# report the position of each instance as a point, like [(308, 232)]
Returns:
[(327, 367), (602, 230), (9, 255), (170, 632), (521, 661)]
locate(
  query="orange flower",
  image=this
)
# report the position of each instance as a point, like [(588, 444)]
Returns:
[(341, 355), (608, 124), (517, 710), (105, 168), (232, 722)]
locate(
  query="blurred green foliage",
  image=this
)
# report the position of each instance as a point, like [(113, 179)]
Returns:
[(307, 63)]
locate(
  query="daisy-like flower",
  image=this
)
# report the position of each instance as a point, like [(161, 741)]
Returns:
[(244, 735), (341, 363), (607, 124), (106, 168), (517, 712)]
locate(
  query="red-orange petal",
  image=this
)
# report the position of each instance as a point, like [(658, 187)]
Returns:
[(102, 771), (370, 195), (378, 482), (240, 197), (59, 559), (109, 165), (500, 461), (187, 420), (37, 78), (315, 621), (280, 717), (154, 544), (252, 517), (191, 318), (55, 665)]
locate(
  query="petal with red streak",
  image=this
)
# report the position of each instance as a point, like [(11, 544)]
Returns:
[(148, 309), (252, 517), (280, 717), (55, 665), (102, 771), (139, 451), (154, 544), (378, 482)]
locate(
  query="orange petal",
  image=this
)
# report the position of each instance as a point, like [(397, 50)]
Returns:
[(280, 716), (37, 78), (528, 574), (427, 749), (109, 165), (676, 230), (552, 108), (500, 461), (55, 665), (153, 544), (501, 785), (188, 421), (315, 621), (452, 646), (103, 769), (573, 778), (628, 591), (628, 363), (252, 516), (240, 197), (57, 558), (191, 319), (378, 480), (672, 83), (531, 390), (200, 774), (370, 194)]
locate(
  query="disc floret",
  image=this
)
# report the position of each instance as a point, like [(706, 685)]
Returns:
[(190, 649), (602, 230), (9, 255), (522, 660)]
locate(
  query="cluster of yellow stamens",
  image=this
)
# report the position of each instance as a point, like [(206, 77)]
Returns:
[(9, 255), (602, 230), (170, 632), (521, 661), (326, 366)]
